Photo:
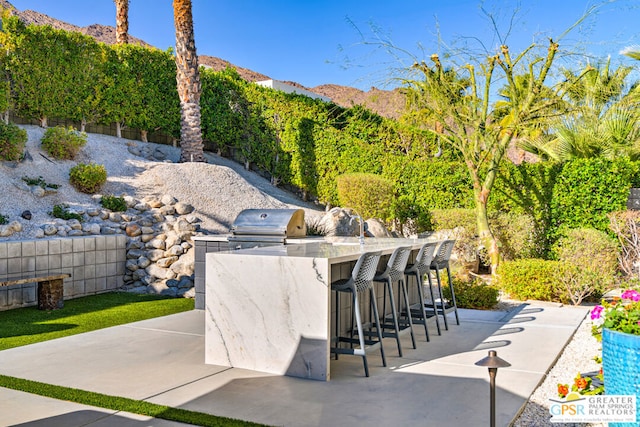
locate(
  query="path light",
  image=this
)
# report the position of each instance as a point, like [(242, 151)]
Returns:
[(493, 362)]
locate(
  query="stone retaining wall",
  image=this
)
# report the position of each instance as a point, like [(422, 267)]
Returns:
[(96, 265)]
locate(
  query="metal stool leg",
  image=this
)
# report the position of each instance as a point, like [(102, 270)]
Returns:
[(403, 291), (435, 311)]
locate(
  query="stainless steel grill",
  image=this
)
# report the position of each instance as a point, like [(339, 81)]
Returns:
[(266, 227)]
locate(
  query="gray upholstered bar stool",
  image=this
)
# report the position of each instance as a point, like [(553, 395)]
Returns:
[(419, 269), (441, 262), (360, 282), (394, 272)]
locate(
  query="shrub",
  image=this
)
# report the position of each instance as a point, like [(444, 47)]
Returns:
[(586, 190), (88, 178), (40, 182), (63, 143), (626, 226), (409, 217), (3, 219), (472, 294), (12, 141), (593, 257), (589, 248), (62, 212), (462, 223), (113, 203), (369, 194), (529, 279), (516, 234)]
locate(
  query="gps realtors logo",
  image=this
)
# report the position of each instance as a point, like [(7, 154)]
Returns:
[(602, 408)]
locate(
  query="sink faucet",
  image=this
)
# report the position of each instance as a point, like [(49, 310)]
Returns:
[(361, 221)]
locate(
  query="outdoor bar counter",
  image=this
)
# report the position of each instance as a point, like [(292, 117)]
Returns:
[(269, 308)]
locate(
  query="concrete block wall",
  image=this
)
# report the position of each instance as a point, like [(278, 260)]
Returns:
[(96, 265), (204, 245)]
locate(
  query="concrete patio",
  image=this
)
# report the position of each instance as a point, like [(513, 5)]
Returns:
[(162, 361)]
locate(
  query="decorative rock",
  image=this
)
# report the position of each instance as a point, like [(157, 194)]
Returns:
[(175, 250), (50, 229), (132, 264), (130, 201), (182, 226), (147, 237), (192, 219), (74, 224), (166, 262), (26, 215), (37, 191), (39, 233), (115, 217), (185, 264), (93, 212), (142, 207), (147, 230), (153, 202), (159, 155), (144, 262), (340, 222), (167, 210), (168, 200), (191, 293), (145, 222), (75, 232), (376, 228), (156, 244), (171, 239), (155, 254), (156, 271), (134, 253), (134, 244), (183, 208), (108, 230), (157, 217), (93, 229), (133, 230)]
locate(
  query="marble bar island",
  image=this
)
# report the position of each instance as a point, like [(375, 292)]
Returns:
[(270, 308)]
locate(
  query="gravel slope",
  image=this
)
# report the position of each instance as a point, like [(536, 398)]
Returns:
[(218, 190)]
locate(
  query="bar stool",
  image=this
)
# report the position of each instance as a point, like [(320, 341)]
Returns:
[(419, 269), (394, 272), (441, 261), (361, 281)]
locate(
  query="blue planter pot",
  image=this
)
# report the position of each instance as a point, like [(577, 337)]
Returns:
[(621, 366)]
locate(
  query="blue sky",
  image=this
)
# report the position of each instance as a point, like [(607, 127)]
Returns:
[(316, 42)]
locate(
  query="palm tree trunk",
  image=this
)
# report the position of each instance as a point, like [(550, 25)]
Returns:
[(122, 21), (188, 79)]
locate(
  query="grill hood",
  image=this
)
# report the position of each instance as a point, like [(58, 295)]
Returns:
[(269, 222)]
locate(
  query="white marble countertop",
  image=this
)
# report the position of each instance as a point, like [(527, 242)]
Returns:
[(336, 249)]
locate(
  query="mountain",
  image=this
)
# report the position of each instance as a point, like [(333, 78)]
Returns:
[(387, 103)]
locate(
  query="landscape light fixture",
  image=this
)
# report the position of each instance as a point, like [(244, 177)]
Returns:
[(493, 362)]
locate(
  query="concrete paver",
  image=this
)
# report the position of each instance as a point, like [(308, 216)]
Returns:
[(162, 361)]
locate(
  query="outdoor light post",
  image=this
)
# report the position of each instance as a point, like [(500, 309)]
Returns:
[(493, 362)]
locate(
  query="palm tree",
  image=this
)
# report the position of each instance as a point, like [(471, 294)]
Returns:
[(603, 120), (122, 21), (188, 78)]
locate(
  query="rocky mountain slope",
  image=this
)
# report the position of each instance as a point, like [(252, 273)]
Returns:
[(384, 102)]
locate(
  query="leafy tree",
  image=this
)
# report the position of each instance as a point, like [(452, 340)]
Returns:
[(459, 100)]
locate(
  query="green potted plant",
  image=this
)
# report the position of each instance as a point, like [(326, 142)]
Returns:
[(617, 325)]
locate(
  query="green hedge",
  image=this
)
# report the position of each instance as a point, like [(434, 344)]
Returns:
[(529, 279)]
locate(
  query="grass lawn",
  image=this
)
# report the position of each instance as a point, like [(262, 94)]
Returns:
[(29, 325)]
